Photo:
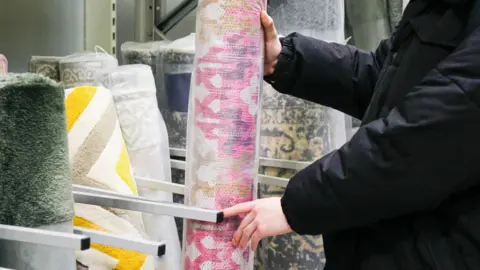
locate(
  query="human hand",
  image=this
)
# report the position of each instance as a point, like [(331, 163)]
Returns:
[(263, 218), (272, 43)]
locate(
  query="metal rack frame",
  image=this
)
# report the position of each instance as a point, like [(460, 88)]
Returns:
[(44, 237), (176, 15), (138, 245), (87, 195)]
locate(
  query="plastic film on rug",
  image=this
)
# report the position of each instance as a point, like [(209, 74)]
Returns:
[(295, 129), (145, 134), (150, 54), (177, 66), (82, 69), (222, 130)]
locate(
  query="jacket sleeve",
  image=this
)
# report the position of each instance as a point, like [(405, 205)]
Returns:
[(334, 75), (424, 151)]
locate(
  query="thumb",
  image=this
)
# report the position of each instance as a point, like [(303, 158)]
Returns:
[(238, 209), (268, 27)]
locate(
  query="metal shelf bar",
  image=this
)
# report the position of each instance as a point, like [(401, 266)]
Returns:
[(119, 201), (138, 245), (44, 237)]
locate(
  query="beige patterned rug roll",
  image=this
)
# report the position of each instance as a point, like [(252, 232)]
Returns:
[(47, 66), (82, 69)]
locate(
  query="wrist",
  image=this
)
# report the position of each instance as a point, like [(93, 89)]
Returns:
[(269, 70)]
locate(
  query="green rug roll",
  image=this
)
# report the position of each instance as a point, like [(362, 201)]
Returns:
[(35, 182)]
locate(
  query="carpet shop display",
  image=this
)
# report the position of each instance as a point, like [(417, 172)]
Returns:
[(3, 64), (177, 66), (294, 129), (222, 160), (35, 180), (82, 69), (99, 159), (47, 66), (145, 133)]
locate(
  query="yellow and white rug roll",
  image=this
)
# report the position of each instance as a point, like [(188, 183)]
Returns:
[(99, 159)]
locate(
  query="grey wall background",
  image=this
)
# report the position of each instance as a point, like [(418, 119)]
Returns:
[(39, 27)]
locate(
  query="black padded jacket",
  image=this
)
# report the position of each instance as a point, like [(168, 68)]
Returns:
[(404, 192)]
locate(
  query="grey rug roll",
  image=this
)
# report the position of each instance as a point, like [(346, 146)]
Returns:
[(47, 66), (35, 182)]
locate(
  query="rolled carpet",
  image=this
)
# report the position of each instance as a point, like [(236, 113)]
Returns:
[(99, 159), (35, 180), (3, 64), (82, 69), (291, 129), (177, 66), (47, 66), (222, 161), (178, 177), (145, 133), (294, 129), (150, 54)]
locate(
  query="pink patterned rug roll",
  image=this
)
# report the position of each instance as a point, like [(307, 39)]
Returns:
[(3, 65), (222, 132)]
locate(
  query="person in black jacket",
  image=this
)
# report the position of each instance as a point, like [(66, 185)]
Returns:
[(404, 192)]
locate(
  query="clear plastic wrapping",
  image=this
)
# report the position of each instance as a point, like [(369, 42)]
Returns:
[(145, 134), (82, 69), (222, 130), (150, 54), (177, 67), (3, 64), (315, 18), (47, 66), (295, 129)]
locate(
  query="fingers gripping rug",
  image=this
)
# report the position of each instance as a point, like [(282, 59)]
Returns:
[(99, 159), (222, 128)]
